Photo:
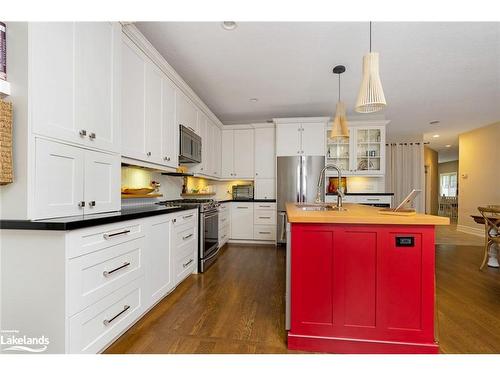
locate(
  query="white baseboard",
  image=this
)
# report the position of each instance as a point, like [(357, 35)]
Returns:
[(470, 230), (252, 242)]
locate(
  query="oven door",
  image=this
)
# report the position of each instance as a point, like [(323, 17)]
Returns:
[(209, 233)]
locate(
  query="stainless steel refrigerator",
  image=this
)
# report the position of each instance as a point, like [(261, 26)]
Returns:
[(297, 178)]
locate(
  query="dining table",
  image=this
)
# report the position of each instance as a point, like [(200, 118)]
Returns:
[(493, 250)]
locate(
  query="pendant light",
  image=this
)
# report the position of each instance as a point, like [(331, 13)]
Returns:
[(339, 124), (371, 95)]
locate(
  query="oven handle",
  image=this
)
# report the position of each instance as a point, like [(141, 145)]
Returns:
[(209, 216), (213, 255)]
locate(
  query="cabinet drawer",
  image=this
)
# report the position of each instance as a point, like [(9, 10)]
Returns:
[(94, 276), (185, 217), (87, 240), (266, 217), (224, 218), (184, 235), (223, 235), (380, 199), (264, 232), (265, 206), (184, 266), (94, 328), (182, 251)]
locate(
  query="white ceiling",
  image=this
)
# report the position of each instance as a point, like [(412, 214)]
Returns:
[(430, 71)]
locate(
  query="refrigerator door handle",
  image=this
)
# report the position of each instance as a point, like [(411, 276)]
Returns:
[(304, 180), (283, 228), (299, 177)]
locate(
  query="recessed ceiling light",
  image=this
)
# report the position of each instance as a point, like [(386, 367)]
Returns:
[(254, 100), (435, 136), (434, 122), (229, 25), (448, 146)]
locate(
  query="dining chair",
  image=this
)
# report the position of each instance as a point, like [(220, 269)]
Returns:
[(491, 217)]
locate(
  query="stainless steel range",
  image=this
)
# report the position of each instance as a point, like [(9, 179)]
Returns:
[(208, 228)]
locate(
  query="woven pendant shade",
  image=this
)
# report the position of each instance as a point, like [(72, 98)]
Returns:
[(339, 124), (371, 95)]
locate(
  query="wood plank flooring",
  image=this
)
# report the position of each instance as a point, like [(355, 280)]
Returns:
[(238, 306)]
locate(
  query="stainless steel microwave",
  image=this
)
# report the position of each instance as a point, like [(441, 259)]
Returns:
[(189, 146)]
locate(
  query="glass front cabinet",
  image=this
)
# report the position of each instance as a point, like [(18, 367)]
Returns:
[(363, 153)]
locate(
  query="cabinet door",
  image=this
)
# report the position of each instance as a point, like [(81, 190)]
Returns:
[(227, 162), (217, 151), (132, 117), (313, 139), (97, 75), (265, 188), (153, 113), (51, 80), (265, 156), (288, 139), (186, 112), (203, 133), (59, 173), (170, 133), (244, 153), (241, 221), (102, 182), (368, 156), (159, 275)]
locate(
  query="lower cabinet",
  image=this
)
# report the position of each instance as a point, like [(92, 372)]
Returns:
[(85, 287), (224, 223), (254, 221), (241, 220)]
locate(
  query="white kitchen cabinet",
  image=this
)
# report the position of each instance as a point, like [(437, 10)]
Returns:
[(59, 180), (265, 188), (102, 182), (71, 181), (186, 112), (265, 153), (159, 274), (300, 138), (203, 132), (170, 130), (153, 113), (133, 102), (242, 220), (238, 153), (74, 82), (217, 151)]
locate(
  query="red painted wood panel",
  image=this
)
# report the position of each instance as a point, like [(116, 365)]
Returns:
[(352, 287)]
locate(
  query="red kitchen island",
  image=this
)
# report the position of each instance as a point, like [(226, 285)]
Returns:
[(362, 282)]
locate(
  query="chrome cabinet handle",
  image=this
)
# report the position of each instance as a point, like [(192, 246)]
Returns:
[(188, 236), (265, 232), (107, 322), (373, 199), (82, 133), (92, 204), (148, 153), (92, 135), (187, 216), (166, 158), (188, 263), (81, 204), (261, 205), (241, 207), (107, 273), (264, 217), (222, 219), (174, 220), (108, 236)]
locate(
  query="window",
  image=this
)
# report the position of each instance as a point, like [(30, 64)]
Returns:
[(448, 184)]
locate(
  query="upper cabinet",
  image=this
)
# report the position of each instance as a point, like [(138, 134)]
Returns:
[(149, 131), (363, 153), (238, 153), (300, 138), (265, 155), (187, 113), (75, 82)]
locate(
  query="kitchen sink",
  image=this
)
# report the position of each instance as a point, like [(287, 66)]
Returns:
[(319, 207)]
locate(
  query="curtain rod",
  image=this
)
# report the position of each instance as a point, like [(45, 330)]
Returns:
[(407, 143)]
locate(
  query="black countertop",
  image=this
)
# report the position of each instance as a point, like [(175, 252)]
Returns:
[(248, 200), (83, 221)]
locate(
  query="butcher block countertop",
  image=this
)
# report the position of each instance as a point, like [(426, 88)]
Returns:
[(359, 214)]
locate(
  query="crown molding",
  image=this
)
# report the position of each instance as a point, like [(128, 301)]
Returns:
[(133, 33)]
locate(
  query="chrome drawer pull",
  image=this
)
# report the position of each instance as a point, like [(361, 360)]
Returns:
[(107, 322), (264, 206), (187, 216), (108, 236), (82, 133), (107, 273), (264, 232), (264, 217), (188, 263), (373, 199), (241, 207), (92, 135), (188, 236)]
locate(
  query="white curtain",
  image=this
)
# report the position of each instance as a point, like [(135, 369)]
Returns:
[(405, 171)]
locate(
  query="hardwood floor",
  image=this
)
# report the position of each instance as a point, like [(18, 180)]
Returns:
[(238, 306)]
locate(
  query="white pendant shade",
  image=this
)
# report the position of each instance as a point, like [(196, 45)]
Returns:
[(371, 95), (339, 124)]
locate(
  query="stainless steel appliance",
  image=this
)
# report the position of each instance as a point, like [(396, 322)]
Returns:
[(297, 177), (243, 191), (189, 146), (208, 229)]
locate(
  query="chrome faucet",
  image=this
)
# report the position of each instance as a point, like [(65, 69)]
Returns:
[(340, 195)]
